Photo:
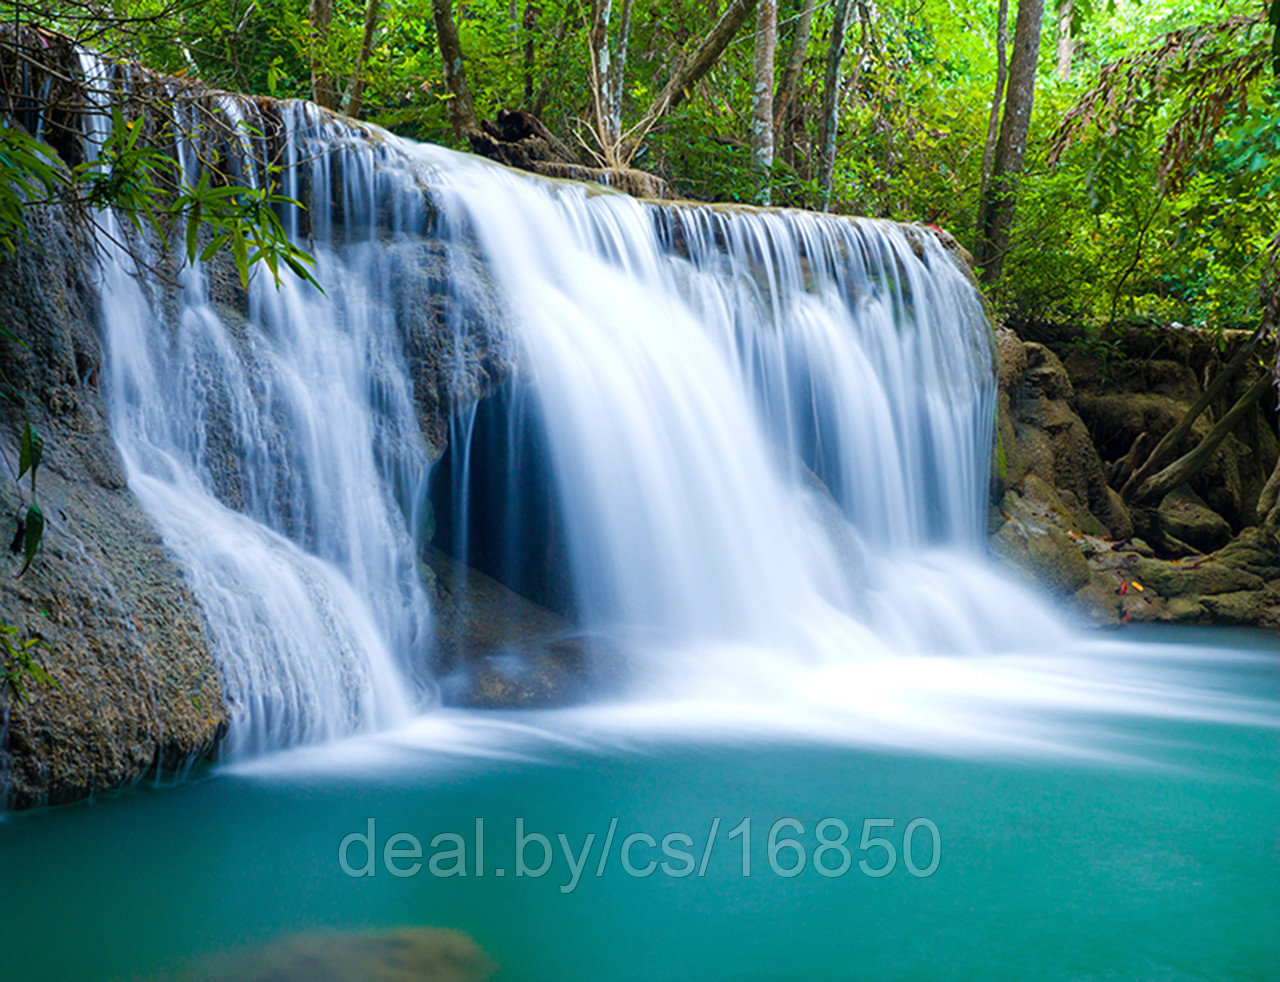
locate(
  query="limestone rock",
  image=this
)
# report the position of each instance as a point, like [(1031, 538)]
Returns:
[(1039, 549), (1041, 434)]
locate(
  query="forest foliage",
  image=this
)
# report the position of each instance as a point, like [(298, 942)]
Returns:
[(1150, 176)]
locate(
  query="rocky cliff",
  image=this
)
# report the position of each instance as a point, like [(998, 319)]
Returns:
[(1069, 430), (137, 691)]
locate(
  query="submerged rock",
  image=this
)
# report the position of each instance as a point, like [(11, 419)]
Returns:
[(400, 955)]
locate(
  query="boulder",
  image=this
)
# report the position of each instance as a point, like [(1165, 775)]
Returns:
[(1200, 578)]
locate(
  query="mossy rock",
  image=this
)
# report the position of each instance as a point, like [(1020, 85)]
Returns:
[(1193, 580)]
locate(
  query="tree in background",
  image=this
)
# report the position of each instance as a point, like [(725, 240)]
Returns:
[(999, 193), (766, 43), (462, 113)]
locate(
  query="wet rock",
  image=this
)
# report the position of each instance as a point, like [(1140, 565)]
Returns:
[(499, 650), (1242, 607), (628, 180), (1255, 551), (1040, 434)]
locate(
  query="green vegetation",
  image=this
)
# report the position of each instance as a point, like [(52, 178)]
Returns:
[(1146, 186)]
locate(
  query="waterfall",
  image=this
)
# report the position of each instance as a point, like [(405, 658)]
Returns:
[(726, 440)]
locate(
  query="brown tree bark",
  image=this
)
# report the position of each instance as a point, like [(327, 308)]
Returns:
[(1002, 67), (766, 43), (462, 111), (999, 197), (323, 93)]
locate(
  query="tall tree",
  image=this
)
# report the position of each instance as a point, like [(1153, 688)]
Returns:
[(462, 110), (784, 114), (1002, 66), (998, 199), (1066, 39), (831, 96), (598, 41), (608, 71), (530, 28), (618, 72), (766, 43), (323, 93)]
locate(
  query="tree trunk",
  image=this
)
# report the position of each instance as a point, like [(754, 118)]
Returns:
[(831, 98), (1173, 439), (618, 73), (353, 102), (530, 27), (766, 43), (788, 85), (598, 40), (323, 93), (1002, 65), (995, 211), (688, 74), (1066, 43), (462, 111), (1190, 464)]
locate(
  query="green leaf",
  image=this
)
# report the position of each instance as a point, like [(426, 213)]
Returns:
[(30, 452), (33, 536), (193, 231), (238, 250)]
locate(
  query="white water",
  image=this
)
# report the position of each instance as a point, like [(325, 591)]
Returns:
[(767, 436)]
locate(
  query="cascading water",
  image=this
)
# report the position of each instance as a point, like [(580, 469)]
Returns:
[(760, 439)]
